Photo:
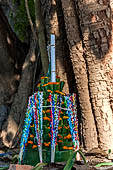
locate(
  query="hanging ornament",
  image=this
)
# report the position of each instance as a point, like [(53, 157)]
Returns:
[(38, 120), (72, 119), (27, 123)]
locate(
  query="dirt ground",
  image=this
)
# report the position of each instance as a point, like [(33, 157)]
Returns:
[(92, 158)]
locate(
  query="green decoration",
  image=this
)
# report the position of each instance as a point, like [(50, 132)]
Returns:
[(64, 143)]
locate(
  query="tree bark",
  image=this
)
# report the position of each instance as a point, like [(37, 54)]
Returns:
[(41, 36), (79, 67), (54, 22), (13, 126), (95, 22), (12, 57)]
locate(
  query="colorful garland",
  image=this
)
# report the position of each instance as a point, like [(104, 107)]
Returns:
[(34, 110), (28, 120), (55, 101), (50, 110), (72, 119), (38, 120)]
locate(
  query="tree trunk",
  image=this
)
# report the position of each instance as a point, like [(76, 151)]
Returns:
[(54, 21), (11, 59), (13, 126), (95, 22), (41, 36), (79, 67)]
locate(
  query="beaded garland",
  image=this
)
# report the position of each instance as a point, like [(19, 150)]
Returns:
[(72, 119), (53, 116)]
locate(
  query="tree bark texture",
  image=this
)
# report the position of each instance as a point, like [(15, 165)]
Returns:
[(41, 36), (11, 59), (81, 77), (13, 126), (54, 21), (96, 26)]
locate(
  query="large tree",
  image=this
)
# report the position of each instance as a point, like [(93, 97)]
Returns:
[(95, 30), (84, 52), (88, 27), (28, 70)]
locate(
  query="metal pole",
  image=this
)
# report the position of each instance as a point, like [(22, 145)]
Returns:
[(53, 62)]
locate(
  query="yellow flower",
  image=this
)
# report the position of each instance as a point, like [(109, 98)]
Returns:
[(70, 148), (66, 127), (68, 136), (44, 111), (46, 144), (34, 146), (60, 136), (57, 91), (48, 111), (38, 85), (49, 134), (32, 125), (30, 142), (49, 91), (65, 117), (46, 118), (53, 83), (42, 77), (60, 127), (65, 147), (45, 85), (31, 136), (62, 93), (48, 100), (60, 141)]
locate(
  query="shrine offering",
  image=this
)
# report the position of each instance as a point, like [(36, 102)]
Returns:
[(50, 132)]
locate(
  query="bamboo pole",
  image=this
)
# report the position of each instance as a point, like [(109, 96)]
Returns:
[(53, 62)]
